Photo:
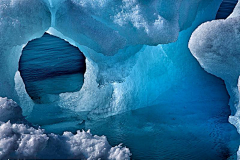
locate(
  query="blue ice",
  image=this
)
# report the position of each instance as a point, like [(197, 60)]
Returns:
[(50, 66)]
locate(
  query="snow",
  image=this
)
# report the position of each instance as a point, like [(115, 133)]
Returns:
[(236, 11), (21, 140), (9, 110)]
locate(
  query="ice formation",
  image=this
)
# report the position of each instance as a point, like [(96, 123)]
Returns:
[(218, 53), (19, 139), (216, 46), (137, 75), (128, 59), (113, 36)]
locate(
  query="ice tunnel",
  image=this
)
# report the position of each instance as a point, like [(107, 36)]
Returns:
[(137, 66)]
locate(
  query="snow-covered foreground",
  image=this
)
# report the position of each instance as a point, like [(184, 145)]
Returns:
[(19, 139)]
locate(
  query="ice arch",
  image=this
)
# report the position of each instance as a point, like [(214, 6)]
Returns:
[(116, 43)]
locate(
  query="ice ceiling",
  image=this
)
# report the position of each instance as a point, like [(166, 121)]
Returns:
[(136, 51)]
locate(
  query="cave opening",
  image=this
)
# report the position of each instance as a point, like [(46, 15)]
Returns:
[(226, 8), (50, 66)]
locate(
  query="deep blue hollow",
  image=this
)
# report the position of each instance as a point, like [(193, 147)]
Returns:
[(50, 66), (226, 8)]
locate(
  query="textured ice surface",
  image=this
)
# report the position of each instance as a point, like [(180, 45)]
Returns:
[(128, 66), (20, 22), (9, 110), (122, 72), (151, 75), (219, 54), (19, 139)]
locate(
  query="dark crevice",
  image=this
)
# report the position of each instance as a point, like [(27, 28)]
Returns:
[(226, 8)]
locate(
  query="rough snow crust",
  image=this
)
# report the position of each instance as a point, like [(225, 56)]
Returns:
[(216, 46), (19, 140)]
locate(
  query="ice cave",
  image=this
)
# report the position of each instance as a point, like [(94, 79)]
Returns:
[(119, 79)]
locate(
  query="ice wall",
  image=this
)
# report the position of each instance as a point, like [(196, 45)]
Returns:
[(154, 74), (134, 75), (216, 46), (20, 22), (111, 34), (219, 54), (125, 68), (117, 30)]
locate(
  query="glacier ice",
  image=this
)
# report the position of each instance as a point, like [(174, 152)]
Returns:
[(128, 59), (20, 139), (218, 53), (20, 22), (147, 72), (113, 42), (216, 46), (121, 28)]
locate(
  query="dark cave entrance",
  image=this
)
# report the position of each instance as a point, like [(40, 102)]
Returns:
[(50, 66), (226, 8)]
